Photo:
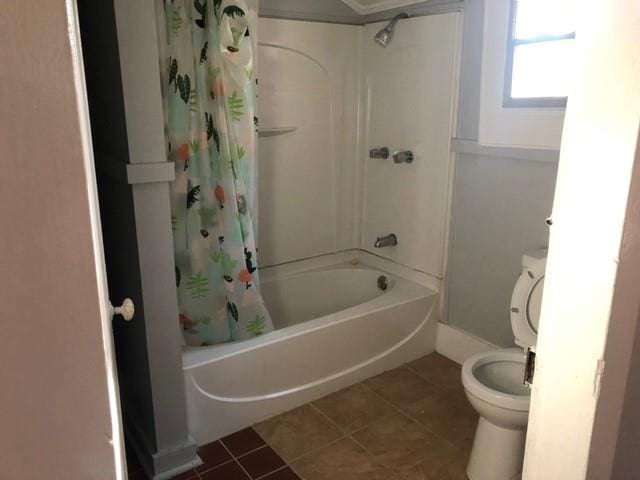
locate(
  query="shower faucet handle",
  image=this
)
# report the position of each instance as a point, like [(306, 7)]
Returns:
[(379, 153), (405, 156)]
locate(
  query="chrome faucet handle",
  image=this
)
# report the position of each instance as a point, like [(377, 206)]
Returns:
[(379, 153), (406, 156)]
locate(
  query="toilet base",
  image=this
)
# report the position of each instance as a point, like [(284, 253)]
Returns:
[(497, 454)]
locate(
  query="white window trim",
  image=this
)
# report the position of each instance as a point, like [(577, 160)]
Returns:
[(529, 102), (501, 126)]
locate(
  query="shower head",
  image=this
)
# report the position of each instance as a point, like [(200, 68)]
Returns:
[(384, 36)]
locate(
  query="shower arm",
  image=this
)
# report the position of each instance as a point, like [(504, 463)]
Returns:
[(395, 19)]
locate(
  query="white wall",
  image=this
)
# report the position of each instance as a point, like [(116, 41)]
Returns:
[(319, 191), (308, 74), (409, 93)]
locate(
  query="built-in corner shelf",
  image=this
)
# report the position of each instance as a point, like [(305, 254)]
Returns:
[(273, 131)]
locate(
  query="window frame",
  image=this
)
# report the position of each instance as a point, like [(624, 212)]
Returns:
[(530, 102)]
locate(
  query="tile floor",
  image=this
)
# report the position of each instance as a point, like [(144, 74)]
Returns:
[(410, 423)]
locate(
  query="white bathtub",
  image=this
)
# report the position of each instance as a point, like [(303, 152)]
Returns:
[(334, 327)]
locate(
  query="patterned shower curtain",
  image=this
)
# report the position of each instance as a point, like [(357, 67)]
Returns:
[(209, 93)]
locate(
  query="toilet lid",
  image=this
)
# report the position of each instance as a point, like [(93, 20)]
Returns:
[(526, 302)]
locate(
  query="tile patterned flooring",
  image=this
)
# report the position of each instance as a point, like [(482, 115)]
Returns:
[(410, 423)]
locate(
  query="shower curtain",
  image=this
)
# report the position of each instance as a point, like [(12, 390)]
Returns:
[(209, 92)]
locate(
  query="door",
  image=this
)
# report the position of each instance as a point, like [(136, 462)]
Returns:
[(591, 299), (59, 398)]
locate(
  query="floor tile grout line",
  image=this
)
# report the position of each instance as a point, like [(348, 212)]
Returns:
[(370, 454), (329, 419), (236, 461), (215, 466), (393, 405), (425, 428), (286, 465), (251, 451), (351, 437), (314, 450), (402, 411), (438, 387), (349, 434)]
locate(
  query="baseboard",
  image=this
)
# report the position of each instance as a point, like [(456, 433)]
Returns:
[(458, 345), (164, 464)]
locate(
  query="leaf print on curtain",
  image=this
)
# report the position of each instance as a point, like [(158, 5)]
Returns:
[(209, 94)]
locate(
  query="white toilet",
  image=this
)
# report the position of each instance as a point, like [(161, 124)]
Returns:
[(494, 384)]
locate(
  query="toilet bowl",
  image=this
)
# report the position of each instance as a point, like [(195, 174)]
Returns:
[(494, 384)]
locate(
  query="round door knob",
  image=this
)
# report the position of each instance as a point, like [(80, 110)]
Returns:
[(127, 309)]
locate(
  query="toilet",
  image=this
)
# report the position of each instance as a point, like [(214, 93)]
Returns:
[(494, 384)]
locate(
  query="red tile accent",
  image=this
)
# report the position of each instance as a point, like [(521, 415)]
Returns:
[(188, 475), (243, 441), (228, 471), (282, 474), (212, 454), (261, 462)]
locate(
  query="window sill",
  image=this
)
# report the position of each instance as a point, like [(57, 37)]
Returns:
[(472, 147)]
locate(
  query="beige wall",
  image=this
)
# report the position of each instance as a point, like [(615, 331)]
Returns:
[(55, 416)]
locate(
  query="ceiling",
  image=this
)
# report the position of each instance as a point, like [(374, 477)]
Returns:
[(365, 7)]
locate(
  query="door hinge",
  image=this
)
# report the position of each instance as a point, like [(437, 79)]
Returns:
[(530, 366)]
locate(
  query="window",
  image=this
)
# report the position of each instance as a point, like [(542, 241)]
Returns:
[(540, 53)]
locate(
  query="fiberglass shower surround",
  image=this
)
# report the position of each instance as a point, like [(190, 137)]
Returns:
[(209, 94)]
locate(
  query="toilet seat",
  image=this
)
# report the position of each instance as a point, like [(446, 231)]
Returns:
[(526, 302), (498, 397)]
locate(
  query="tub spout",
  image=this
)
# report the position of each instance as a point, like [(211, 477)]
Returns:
[(390, 240)]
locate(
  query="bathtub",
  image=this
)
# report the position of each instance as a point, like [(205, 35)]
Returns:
[(334, 326)]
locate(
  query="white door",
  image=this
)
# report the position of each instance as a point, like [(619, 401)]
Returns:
[(59, 405), (587, 275)]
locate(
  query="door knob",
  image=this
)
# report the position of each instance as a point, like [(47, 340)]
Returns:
[(127, 309)]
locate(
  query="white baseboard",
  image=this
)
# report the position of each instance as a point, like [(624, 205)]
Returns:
[(458, 345)]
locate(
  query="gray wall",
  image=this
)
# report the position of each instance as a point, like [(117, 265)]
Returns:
[(108, 129), (122, 61), (500, 205), (499, 209)]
